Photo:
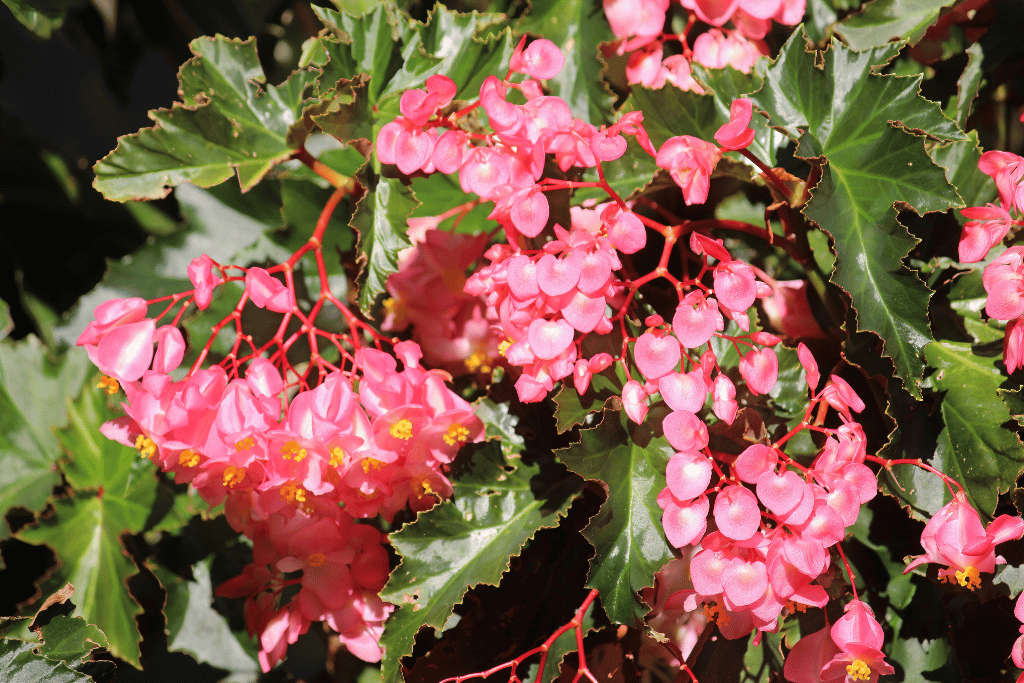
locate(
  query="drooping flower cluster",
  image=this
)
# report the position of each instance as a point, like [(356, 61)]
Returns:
[(986, 227), (657, 57), (294, 469), (771, 542)]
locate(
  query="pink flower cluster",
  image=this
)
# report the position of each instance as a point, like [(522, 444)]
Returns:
[(452, 327), (543, 298), (506, 167), (640, 26), (775, 520), (293, 470)]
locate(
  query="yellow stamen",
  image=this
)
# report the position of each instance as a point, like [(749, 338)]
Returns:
[(292, 450), (371, 465), (233, 476), (455, 433), (477, 362), (401, 430), (969, 578), (109, 384), (338, 457), (503, 346), (296, 495), (188, 458), (245, 444), (316, 560), (146, 446), (859, 670)]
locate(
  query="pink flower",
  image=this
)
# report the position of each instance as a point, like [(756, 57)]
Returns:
[(542, 59), (859, 639), (690, 161), (789, 311), (809, 656), (1017, 653), (955, 537), (736, 134), (267, 291), (986, 228), (200, 272), (760, 369)]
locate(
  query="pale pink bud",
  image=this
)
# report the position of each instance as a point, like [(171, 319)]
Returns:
[(200, 272), (809, 364), (736, 513), (267, 291), (685, 431), (688, 474), (170, 349), (634, 401), (760, 368), (548, 339), (656, 356), (723, 393), (126, 351), (685, 524), (684, 391), (627, 233)]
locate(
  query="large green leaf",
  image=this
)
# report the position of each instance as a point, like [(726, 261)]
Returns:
[(884, 21), (578, 27), (230, 122), (19, 664), (381, 221), (33, 388), (465, 542), (985, 456), (85, 531), (193, 625), (871, 164), (630, 462), (69, 639)]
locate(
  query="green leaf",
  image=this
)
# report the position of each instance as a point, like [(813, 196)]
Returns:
[(968, 84), (465, 542), (6, 324), (19, 664), (93, 460), (885, 21), (42, 22), (381, 221), (70, 639), (960, 159), (627, 533), (33, 389), (579, 27), (871, 165), (85, 531), (985, 457), (193, 625), (820, 20), (230, 122), (500, 424)]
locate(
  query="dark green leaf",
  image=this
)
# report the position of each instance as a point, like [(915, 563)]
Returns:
[(871, 165), (69, 639), (627, 533), (19, 664), (465, 542), (578, 27), (193, 625), (85, 531), (230, 122), (985, 457), (968, 84), (960, 159), (33, 389), (884, 21), (381, 221)]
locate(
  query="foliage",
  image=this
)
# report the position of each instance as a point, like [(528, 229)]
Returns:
[(523, 455)]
